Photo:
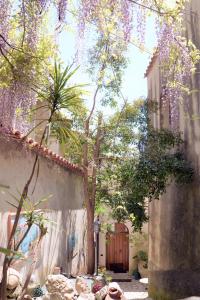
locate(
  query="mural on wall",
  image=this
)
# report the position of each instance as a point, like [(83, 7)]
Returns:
[(28, 245), (72, 241)]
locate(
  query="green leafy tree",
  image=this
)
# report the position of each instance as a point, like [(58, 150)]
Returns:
[(131, 179)]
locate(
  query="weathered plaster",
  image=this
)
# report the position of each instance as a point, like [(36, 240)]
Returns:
[(64, 208), (64, 186), (174, 226)]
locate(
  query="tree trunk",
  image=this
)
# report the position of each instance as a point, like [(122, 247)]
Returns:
[(90, 238), (90, 187), (89, 206), (90, 192), (4, 279)]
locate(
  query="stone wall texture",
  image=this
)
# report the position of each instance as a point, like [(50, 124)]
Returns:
[(174, 226)]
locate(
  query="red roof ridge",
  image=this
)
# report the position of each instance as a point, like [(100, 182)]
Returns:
[(41, 150)]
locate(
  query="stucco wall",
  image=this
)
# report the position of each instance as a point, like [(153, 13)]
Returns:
[(65, 187), (174, 226), (64, 245)]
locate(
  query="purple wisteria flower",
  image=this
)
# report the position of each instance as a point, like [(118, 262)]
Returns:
[(61, 8), (176, 66)]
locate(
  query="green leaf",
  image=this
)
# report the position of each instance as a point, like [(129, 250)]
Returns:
[(9, 252)]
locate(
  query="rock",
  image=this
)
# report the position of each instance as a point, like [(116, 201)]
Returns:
[(86, 296), (191, 298), (14, 283), (13, 278), (51, 297), (99, 282), (14, 293), (28, 297), (81, 286), (96, 287), (100, 279), (59, 288)]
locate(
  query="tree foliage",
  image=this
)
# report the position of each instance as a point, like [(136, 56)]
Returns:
[(129, 160), (129, 181), (24, 31)]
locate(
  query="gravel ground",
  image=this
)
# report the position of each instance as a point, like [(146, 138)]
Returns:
[(134, 290)]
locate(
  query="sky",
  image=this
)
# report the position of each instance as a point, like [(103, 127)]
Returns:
[(134, 83)]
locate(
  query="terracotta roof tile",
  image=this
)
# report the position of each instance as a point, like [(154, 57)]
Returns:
[(41, 150)]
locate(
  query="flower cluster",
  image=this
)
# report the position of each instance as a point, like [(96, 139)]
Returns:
[(114, 20), (177, 63), (108, 15), (30, 19), (61, 8), (5, 9), (19, 51)]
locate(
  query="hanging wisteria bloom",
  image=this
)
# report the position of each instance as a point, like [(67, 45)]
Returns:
[(42, 4), (19, 61), (61, 8), (109, 16), (5, 12), (111, 21), (177, 63)]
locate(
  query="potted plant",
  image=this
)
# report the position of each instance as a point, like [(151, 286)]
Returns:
[(142, 263), (136, 274)]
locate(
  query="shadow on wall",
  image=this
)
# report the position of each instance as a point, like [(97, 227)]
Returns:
[(72, 258)]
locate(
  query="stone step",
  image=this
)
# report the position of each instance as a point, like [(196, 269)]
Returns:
[(120, 277)]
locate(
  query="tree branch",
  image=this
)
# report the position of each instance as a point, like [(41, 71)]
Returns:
[(93, 105)]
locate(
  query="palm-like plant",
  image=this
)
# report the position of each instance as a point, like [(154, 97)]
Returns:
[(60, 95), (57, 96), (60, 98)]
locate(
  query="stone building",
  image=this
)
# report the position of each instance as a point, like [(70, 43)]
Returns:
[(174, 226)]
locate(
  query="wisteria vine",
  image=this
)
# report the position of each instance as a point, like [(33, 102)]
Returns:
[(178, 58), (112, 19)]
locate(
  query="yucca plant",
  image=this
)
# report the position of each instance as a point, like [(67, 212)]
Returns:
[(57, 96), (61, 99)]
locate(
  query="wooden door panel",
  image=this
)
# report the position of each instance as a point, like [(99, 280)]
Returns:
[(117, 248)]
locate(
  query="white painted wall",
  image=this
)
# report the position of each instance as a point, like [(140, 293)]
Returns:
[(64, 208), (66, 187)]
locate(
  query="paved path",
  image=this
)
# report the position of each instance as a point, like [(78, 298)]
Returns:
[(134, 290)]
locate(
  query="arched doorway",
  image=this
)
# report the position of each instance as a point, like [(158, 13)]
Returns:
[(117, 249)]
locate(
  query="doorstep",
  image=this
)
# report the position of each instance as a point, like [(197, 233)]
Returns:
[(120, 277)]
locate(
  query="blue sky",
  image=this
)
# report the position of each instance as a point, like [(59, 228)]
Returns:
[(134, 83)]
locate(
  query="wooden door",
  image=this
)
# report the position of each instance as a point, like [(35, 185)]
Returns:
[(117, 249)]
